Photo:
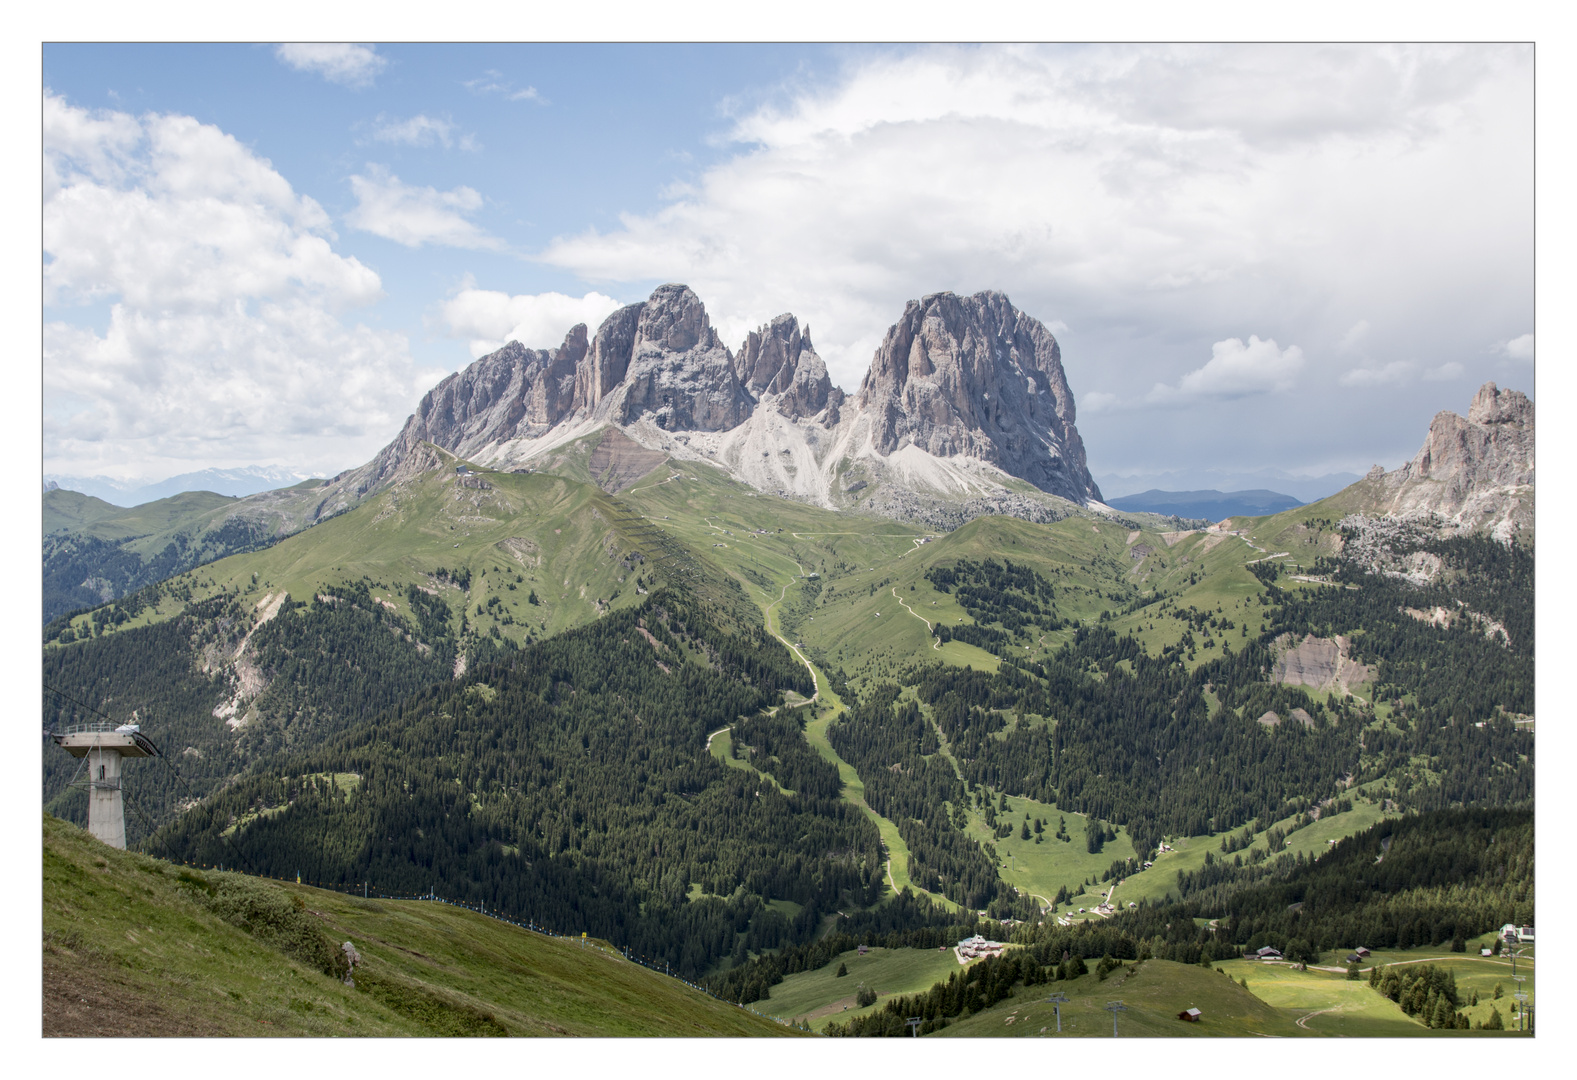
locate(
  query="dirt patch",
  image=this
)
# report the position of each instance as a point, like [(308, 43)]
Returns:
[(1445, 618), (657, 646), (619, 461), (1325, 664), (80, 1001), (1132, 536), (1172, 538), (1211, 541)]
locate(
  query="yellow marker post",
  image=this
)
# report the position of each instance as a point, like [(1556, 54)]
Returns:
[(583, 939)]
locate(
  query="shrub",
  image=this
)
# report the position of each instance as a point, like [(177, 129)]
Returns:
[(276, 918)]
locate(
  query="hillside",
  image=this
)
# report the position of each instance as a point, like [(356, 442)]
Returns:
[(138, 946), (95, 552)]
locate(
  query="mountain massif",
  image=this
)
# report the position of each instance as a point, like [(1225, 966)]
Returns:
[(965, 398)]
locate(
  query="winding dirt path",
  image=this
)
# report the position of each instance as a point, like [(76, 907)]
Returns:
[(1306, 1017), (936, 642)]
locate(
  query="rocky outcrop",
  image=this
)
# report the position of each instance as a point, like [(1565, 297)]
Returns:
[(778, 361), (680, 375), (1475, 472), (515, 392), (973, 376)]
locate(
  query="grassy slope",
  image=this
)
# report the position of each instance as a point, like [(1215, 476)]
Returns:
[(822, 997), (66, 510), (127, 951), (1155, 991), (562, 539)]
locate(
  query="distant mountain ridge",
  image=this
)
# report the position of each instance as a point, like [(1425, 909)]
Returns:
[(1214, 505), (247, 480), (1305, 489)]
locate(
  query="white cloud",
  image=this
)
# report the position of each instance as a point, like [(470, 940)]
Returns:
[(1236, 370), (493, 82), (1355, 333), (1096, 402), (1518, 348), (414, 216), (421, 130), (1133, 191), (1393, 374), (223, 344), (490, 318), (355, 66), (1445, 372)]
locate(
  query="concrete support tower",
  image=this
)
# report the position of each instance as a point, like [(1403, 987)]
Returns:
[(104, 746)]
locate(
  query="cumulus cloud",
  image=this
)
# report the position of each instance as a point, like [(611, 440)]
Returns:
[(355, 66), (1518, 348), (1130, 190), (415, 216), (538, 321), (224, 342), (1235, 370), (1445, 372), (421, 130)]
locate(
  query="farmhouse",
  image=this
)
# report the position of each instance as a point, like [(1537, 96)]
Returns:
[(1191, 1015), (1266, 953)]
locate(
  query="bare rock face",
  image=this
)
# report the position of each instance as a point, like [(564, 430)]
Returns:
[(1474, 472), (974, 376), (608, 359), (512, 393), (779, 360), (680, 375)]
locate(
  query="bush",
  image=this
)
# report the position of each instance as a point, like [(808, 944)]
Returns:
[(864, 996), (276, 918)]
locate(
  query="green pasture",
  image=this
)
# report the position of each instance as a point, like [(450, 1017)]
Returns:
[(1154, 991), (820, 996)]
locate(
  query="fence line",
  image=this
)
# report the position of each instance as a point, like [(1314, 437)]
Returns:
[(354, 889)]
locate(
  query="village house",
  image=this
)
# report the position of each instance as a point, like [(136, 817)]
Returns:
[(1265, 953)]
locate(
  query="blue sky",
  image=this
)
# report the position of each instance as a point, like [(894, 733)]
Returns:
[(1254, 257), (556, 139)]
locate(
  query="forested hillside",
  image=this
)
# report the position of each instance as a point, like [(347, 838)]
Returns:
[(570, 784), (1435, 878)]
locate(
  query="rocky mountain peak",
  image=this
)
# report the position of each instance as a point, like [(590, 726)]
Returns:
[(1492, 405), (779, 360), (1476, 471), (674, 320), (974, 376), (679, 375)]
